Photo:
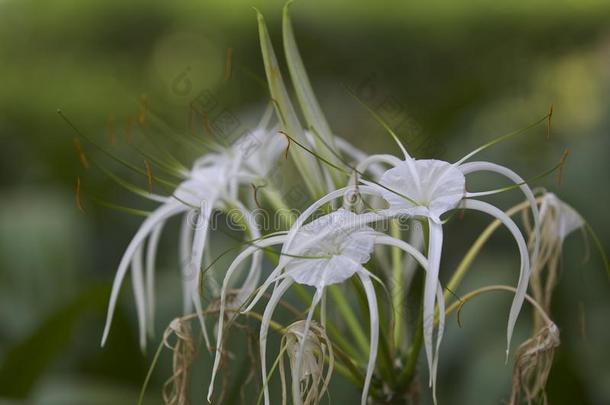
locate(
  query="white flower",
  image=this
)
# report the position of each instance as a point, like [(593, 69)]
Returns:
[(326, 251), (212, 183), (429, 188), (558, 218)]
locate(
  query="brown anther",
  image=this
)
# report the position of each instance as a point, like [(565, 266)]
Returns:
[(77, 195), (143, 109), (255, 192), (229, 64), (81, 154), (289, 142), (548, 122), (149, 177), (566, 152)]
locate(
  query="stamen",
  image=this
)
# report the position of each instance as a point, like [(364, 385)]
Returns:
[(548, 123), (566, 152), (111, 155), (287, 146), (254, 191), (381, 122), (502, 138), (149, 176), (81, 154), (77, 195), (229, 64), (143, 110)]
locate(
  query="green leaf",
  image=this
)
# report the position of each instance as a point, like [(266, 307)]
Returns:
[(307, 166), (307, 99)]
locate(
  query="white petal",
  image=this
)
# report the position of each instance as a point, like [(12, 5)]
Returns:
[(137, 281), (185, 244), (433, 186), (524, 272), (159, 215), (223, 295), (374, 321), (567, 219), (199, 242), (504, 171), (278, 292), (320, 273), (435, 246), (151, 252), (299, 361)]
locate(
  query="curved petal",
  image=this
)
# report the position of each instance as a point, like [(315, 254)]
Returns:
[(185, 243), (314, 303), (468, 168), (435, 247), (199, 241), (278, 292), (524, 272), (254, 273), (137, 281), (374, 321), (223, 295), (151, 252), (159, 215)]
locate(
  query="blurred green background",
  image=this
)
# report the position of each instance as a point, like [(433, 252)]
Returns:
[(447, 75)]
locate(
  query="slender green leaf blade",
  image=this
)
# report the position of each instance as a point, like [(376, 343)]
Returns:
[(307, 166), (307, 99)]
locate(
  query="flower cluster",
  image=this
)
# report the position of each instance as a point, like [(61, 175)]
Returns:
[(336, 244)]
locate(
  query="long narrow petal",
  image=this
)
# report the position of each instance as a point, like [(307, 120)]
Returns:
[(440, 299), (184, 253), (159, 215), (151, 253), (271, 304), (435, 247), (374, 321), (137, 282), (525, 188), (524, 272), (223, 298), (199, 241), (414, 252), (314, 303), (254, 273)]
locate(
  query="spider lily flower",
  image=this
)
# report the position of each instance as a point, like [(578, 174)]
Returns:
[(310, 382), (429, 188), (328, 250), (212, 184)]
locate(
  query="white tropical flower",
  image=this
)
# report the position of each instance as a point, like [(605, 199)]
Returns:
[(429, 188), (325, 251), (212, 183)]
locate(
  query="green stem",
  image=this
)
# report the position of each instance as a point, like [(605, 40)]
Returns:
[(397, 284), (349, 317)]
